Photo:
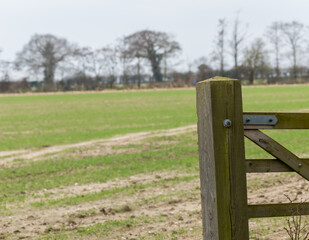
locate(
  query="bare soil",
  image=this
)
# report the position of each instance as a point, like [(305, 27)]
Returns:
[(29, 223), (168, 208), (179, 211)]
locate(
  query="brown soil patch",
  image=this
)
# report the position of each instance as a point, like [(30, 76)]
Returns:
[(177, 205), (77, 189), (275, 186), (28, 222)]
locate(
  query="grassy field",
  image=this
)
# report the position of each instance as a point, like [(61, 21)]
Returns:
[(135, 189), (35, 121)]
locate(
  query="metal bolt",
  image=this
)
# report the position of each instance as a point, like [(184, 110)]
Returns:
[(299, 164), (227, 123), (247, 120), (270, 120)]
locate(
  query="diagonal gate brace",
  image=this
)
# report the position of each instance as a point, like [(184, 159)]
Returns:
[(278, 151)]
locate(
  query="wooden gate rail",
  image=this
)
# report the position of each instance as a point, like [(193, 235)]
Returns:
[(285, 120), (269, 165), (222, 126), (278, 210)]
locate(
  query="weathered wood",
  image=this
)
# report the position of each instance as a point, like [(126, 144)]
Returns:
[(268, 165), (222, 160), (285, 120), (275, 149), (278, 210)]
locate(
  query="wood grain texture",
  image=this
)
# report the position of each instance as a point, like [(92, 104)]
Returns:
[(268, 165), (222, 160), (286, 120), (278, 210), (275, 149)]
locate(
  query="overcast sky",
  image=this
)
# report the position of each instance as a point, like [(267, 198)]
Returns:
[(97, 23)]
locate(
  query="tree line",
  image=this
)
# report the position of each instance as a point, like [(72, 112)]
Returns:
[(278, 56), (49, 63), (50, 58)]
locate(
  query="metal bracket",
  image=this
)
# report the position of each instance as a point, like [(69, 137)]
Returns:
[(270, 120)]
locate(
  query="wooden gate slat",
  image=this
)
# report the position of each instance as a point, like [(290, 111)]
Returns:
[(268, 165), (285, 120), (278, 210), (277, 150)]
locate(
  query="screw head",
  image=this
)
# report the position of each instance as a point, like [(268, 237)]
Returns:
[(299, 164), (227, 123)]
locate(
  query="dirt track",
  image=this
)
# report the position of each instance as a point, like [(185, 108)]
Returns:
[(178, 207), (28, 223), (8, 156)]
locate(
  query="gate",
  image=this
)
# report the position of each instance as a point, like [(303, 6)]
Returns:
[(222, 126)]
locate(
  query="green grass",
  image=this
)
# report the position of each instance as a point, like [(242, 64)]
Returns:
[(34, 121), (179, 154), (99, 230), (114, 193), (14, 182), (107, 228)]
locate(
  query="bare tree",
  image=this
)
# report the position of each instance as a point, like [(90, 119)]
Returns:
[(110, 63), (125, 58), (134, 56), (90, 62), (83, 66), (96, 63), (83, 60), (1, 62), (153, 46), (238, 37), (294, 36), (204, 71), (5, 69), (44, 52), (219, 52), (274, 35), (254, 58)]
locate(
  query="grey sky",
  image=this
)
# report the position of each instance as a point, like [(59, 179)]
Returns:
[(97, 23)]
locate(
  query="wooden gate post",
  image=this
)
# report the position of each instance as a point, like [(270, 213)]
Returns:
[(222, 159)]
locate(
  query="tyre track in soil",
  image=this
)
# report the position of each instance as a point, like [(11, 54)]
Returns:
[(28, 222), (7, 157)]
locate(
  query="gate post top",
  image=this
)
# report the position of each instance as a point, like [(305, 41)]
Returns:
[(217, 78)]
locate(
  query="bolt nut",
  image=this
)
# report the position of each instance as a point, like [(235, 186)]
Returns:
[(299, 164), (227, 123)]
